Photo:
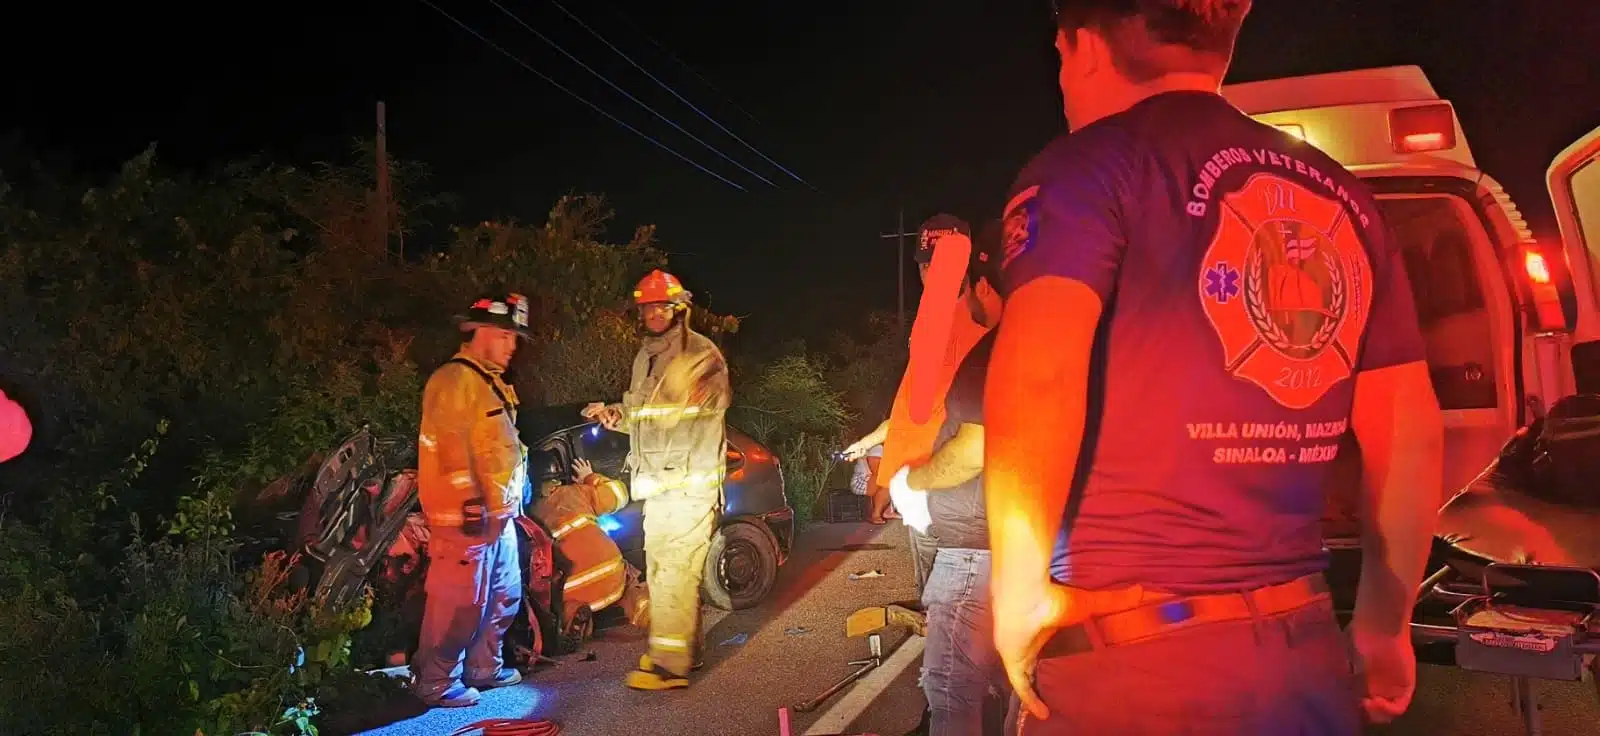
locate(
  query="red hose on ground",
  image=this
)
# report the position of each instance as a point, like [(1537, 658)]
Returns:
[(510, 727)]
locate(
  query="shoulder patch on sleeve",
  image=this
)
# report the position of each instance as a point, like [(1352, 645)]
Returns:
[(1019, 225)]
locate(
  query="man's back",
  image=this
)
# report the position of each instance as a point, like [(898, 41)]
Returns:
[(1238, 267)]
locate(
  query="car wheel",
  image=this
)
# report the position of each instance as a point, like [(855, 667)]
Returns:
[(741, 567)]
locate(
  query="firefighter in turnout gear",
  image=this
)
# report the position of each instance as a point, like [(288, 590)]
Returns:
[(471, 473), (571, 511), (673, 411)]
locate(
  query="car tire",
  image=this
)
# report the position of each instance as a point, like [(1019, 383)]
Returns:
[(741, 567)]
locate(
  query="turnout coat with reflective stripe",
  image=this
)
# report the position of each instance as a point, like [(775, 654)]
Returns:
[(469, 446), (598, 576), (674, 412)]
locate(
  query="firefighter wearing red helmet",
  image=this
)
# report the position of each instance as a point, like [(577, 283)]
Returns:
[(673, 413), (471, 476)]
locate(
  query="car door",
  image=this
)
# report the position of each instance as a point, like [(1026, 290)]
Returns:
[(1574, 183)]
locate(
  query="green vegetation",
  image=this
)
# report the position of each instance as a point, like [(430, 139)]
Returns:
[(182, 340)]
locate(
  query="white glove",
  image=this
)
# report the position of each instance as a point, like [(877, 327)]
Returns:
[(910, 502)]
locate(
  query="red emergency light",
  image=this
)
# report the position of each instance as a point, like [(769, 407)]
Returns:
[(1538, 271), (1423, 128), (1544, 291)]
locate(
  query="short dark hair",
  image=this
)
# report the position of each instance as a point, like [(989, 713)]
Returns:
[(1151, 38)]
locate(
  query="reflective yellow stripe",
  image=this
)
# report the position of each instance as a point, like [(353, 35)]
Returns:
[(606, 601), (461, 479), (571, 526), (672, 643), (662, 410), (646, 483), (593, 575), (445, 518), (427, 441), (618, 491)]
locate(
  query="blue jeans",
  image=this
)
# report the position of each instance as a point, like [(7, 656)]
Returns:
[(962, 676)]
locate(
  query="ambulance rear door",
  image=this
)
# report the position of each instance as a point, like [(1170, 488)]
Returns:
[(1574, 182)]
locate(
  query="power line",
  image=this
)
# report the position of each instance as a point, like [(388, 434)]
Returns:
[(640, 102), (697, 75), (580, 98), (674, 92)]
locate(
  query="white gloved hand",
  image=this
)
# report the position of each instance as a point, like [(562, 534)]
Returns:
[(910, 502)]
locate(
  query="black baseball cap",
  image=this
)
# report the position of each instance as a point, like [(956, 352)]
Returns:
[(985, 261)]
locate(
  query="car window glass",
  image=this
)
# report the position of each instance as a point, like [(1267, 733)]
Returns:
[(607, 451)]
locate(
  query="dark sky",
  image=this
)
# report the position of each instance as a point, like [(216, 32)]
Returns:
[(933, 104)]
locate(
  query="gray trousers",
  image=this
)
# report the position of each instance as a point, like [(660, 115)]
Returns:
[(474, 588)]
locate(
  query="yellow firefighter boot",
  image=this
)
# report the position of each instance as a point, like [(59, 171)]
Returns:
[(651, 677)]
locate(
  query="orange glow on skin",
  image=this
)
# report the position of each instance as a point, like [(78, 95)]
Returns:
[(930, 334)]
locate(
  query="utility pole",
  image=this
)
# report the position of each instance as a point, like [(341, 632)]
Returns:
[(900, 236), (383, 182)]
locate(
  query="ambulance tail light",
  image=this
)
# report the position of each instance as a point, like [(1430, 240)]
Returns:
[(1534, 265), (1548, 290), (1423, 128)]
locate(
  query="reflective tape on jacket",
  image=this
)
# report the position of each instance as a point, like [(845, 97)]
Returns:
[(645, 484), (577, 523), (652, 411), (598, 572)]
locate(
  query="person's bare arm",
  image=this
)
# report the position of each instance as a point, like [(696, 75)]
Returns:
[(1397, 422), (859, 448), (1035, 406), (954, 463), (876, 436)]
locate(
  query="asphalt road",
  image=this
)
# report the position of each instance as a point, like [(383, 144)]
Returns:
[(794, 647)]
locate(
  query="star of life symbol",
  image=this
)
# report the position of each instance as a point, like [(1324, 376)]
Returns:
[(1222, 282), (1285, 284)]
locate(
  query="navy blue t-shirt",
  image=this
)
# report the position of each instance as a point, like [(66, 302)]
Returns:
[(1246, 279)]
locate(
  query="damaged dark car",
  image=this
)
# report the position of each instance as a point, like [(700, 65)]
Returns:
[(355, 520)]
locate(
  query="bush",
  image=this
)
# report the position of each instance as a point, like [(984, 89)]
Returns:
[(182, 642), (866, 369), (261, 310), (789, 406)]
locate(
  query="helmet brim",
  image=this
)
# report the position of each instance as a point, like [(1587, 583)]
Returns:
[(467, 324)]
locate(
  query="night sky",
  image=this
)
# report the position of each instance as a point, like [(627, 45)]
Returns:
[(875, 103)]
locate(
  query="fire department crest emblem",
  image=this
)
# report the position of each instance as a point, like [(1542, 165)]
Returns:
[(1286, 285)]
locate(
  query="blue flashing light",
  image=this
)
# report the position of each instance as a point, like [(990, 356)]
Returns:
[(608, 524)]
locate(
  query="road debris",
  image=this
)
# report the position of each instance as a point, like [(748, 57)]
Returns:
[(796, 630), (863, 575), (737, 640)]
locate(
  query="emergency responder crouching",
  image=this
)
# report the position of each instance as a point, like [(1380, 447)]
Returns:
[(471, 472), (570, 507), (673, 411)]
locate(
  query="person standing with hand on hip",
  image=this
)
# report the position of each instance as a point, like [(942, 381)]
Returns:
[(1197, 306), (471, 475)]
